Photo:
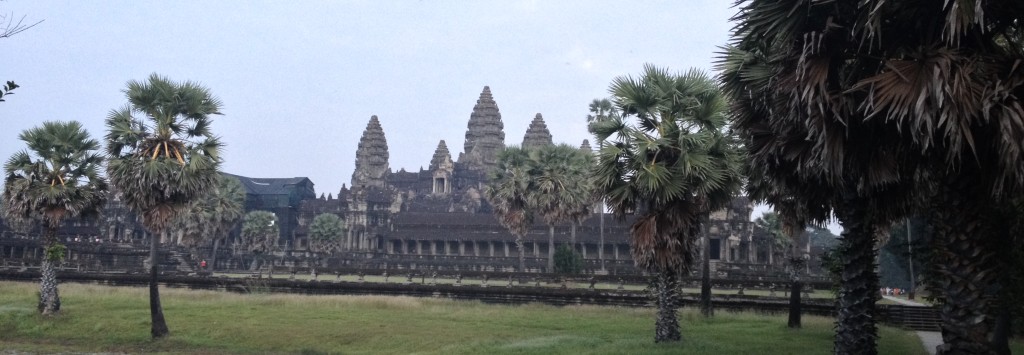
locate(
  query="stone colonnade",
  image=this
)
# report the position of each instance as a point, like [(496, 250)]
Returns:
[(496, 248)]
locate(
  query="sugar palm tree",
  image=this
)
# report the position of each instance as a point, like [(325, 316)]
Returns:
[(209, 219), (259, 235), (561, 188), (671, 168), (162, 156), (508, 193), (56, 178), (326, 233), (885, 103)]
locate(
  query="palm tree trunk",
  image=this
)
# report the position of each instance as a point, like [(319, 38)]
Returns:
[(213, 257), (966, 268), (572, 236), (794, 304), (49, 298), (551, 248), (795, 284), (156, 312), (522, 253), (600, 250), (667, 325), (856, 332), (706, 309)]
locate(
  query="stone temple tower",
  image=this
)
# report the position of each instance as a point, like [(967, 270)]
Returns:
[(441, 167), (585, 146), (371, 157), (485, 136), (537, 135)]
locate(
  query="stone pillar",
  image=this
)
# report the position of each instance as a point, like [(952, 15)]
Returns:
[(506, 248), (433, 247), (584, 250), (536, 250), (615, 248), (419, 247), (490, 246), (462, 248), (476, 248)]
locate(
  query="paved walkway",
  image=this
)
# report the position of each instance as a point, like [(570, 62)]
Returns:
[(931, 340)]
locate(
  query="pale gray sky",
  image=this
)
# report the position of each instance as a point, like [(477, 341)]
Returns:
[(299, 80)]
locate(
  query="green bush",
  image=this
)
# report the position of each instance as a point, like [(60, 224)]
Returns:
[(567, 260)]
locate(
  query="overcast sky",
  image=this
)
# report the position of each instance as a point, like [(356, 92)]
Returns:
[(300, 80)]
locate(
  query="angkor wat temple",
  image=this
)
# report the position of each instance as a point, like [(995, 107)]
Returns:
[(431, 218)]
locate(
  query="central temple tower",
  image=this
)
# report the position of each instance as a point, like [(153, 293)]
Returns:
[(485, 136)]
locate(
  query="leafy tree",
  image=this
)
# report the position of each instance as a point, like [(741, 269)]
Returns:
[(209, 219), (163, 156), (55, 179), (6, 90), (259, 235), (671, 168), (777, 240), (9, 26), (567, 260), (326, 233), (917, 98), (508, 193)]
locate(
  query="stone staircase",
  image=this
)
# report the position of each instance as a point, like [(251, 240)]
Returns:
[(920, 318), (183, 264)]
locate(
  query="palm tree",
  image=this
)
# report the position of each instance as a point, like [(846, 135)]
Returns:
[(561, 188), (601, 110), (671, 168), (916, 98), (55, 179), (163, 156), (325, 233), (508, 193), (209, 219), (259, 235)]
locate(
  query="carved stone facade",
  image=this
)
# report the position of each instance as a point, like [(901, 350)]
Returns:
[(485, 135), (371, 157)]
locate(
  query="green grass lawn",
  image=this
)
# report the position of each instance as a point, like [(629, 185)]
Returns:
[(116, 319)]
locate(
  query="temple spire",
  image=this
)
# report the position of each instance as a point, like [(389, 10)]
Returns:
[(485, 135), (586, 147), (537, 135), (442, 158), (371, 157)]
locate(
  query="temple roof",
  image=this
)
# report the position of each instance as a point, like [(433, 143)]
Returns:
[(269, 186), (537, 135)]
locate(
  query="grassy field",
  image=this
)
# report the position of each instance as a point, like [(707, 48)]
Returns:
[(116, 319)]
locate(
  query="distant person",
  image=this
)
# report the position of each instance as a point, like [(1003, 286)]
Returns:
[(202, 264)]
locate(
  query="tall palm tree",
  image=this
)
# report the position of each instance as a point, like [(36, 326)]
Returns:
[(55, 179), (209, 219), (917, 94), (259, 235), (561, 188), (163, 155), (326, 233), (671, 168), (508, 193), (601, 110)]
